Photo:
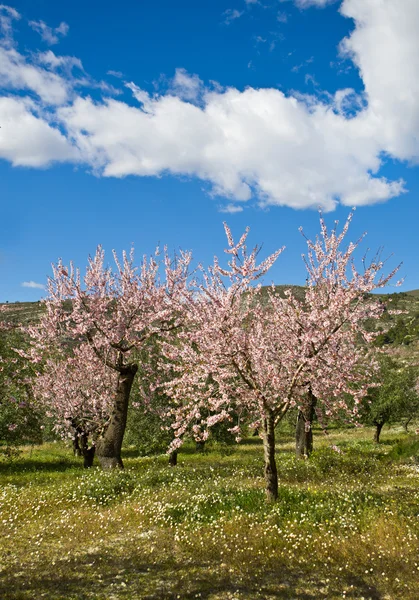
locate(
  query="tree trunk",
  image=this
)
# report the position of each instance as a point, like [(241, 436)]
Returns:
[(108, 447), (303, 434), (406, 424), (303, 438), (271, 473), (87, 453), (173, 458), (88, 457), (76, 445), (378, 428), (200, 446)]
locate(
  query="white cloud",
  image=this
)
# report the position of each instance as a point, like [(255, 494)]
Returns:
[(17, 74), (7, 16), (231, 209), (53, 78), (294, 150), (117, 74), (258, 142), (385, 48), (9, 12), (317, 3), (231, 15), (33, 284), (51, 60), (297, 68), (28, 140), (187, 87), (50, 35)]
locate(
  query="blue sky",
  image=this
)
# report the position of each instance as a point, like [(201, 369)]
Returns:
[(155, 121)]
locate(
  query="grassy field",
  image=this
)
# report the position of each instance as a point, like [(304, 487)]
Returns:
[(346, 524)]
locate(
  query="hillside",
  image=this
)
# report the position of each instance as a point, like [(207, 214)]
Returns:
[(20, 312), (397, 330)]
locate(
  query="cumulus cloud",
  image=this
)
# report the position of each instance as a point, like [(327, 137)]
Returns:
[(186, 86), (50, 35), (255, 142), (33, 284), (262, 144), (27, 139), (385, 48), (17, 74)]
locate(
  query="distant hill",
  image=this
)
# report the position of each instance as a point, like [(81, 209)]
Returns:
[(408, 301), (397, 329), (20, 312)]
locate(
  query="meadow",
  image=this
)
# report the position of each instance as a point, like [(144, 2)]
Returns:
[(345, 526)]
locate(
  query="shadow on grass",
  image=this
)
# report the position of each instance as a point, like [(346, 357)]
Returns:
[(101, 577), (27, 465)]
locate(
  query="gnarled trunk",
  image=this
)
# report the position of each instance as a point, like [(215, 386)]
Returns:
[(378, 428), (108, 447), (173, 458), (271, 473), (303, 430)]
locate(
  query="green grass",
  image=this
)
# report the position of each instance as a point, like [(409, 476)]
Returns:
[(346, 525)]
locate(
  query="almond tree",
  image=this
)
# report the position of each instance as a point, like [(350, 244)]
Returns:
[(110, 314), (77, 391), (222, 359), (328, 334), (238, 356)]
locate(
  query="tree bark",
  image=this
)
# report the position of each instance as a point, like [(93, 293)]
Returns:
[(378, 428), (271, 473), (88, 457), (87, 453), (200, 446), (173, 458), (76, 445), (406, 424), (76, 437), (108, 447), (304, 437)]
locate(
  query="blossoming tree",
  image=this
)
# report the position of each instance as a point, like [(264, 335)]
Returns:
[(77, 391), (101, 321), (239, 356), (326, 334)]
